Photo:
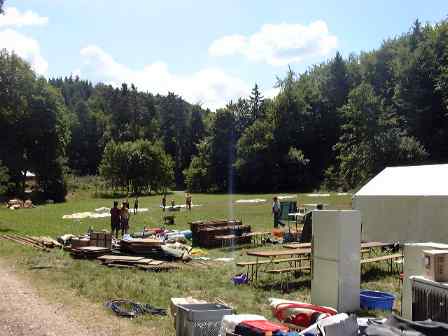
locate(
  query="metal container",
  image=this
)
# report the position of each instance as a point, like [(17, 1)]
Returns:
[(200, 319)]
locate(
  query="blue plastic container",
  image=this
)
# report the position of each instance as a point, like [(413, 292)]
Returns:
[(376, 300), (187, 234), (240, 279)]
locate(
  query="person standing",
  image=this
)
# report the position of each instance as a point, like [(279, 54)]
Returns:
[(124, 215), (164, 202), (135, 205), (115, 219), (276, 211), (188, 201)]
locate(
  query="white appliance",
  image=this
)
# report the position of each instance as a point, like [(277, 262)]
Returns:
[(413, 266), (336, 259)]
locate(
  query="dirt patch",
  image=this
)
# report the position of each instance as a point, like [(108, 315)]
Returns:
[(24, 312)]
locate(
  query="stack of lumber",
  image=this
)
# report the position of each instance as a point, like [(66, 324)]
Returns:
[(122, 261), (89, 252), (205, 232), (47, 242), (25, 241), (141, 245)]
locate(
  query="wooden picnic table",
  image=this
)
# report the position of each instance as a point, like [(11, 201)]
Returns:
[(291, 256), (366, 245), (278, 253), (302, 250)]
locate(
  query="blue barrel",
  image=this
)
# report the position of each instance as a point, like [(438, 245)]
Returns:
[(376, 300)]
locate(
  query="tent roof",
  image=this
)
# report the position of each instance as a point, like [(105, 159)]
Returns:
[(429, 180)]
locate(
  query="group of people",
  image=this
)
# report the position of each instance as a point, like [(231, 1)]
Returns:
[(188, 202), (119, 217)]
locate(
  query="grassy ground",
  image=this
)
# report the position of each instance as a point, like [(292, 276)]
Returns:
[(96, 283)]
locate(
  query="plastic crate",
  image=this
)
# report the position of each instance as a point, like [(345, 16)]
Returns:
[(200, 319)]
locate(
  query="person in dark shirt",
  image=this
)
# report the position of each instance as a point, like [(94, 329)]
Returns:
[(276, 211), (164, 202), (136, 205), (115, 219)]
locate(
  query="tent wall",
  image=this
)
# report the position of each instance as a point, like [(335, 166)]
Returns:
[(403, 218)]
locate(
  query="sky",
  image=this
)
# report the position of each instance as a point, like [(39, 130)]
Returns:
[(209, 52)]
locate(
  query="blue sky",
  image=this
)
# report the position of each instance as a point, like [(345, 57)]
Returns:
[(207, 51)]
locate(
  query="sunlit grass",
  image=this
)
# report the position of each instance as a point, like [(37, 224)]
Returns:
[(98, 284)]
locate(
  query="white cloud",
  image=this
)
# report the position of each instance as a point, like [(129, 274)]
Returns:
[(14, 18), (25, 47), (211, 87), (279, 44)]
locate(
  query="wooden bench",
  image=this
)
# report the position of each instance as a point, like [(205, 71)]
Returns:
[(390, 258), (289, 269), (274, 261), (251, 264)]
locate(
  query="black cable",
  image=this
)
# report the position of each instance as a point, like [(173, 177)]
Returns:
[(128, 308)]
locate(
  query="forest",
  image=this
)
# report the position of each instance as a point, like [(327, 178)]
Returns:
[(332, 127)]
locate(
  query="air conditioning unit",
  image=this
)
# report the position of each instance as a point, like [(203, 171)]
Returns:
[(429, 299)]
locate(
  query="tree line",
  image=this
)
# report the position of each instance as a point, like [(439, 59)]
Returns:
[(334, 126)]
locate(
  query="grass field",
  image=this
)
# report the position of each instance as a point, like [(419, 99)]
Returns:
[(96, 284)]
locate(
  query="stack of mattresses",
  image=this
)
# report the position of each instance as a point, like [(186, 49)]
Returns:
[(205, 232), (141, 245)]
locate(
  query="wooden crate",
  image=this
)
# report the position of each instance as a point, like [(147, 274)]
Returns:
[(101, 239)]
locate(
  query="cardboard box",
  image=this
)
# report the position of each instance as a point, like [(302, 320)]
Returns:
[(436, 265)]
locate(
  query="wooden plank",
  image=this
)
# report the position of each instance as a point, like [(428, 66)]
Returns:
[(289, 269), (275, 261), (120, 266), (92, 249), (278, 253), (381, 258), (297, 245), (156, 262), (111, 257), (376, 244)]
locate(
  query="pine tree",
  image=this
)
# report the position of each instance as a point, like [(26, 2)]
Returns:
[(256, 103)]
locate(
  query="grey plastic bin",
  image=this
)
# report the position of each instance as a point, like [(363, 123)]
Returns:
[(200, 319)]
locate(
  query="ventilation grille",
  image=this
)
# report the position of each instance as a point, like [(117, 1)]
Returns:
[(429, 302)]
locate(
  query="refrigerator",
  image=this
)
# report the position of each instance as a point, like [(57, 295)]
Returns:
[(336, 259)]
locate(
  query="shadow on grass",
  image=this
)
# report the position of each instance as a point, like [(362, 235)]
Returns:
[(294, 284), (376, 273), (6, 230), (120, 195), (235, 248)]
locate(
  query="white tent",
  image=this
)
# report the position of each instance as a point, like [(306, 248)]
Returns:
[(405, 204)]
